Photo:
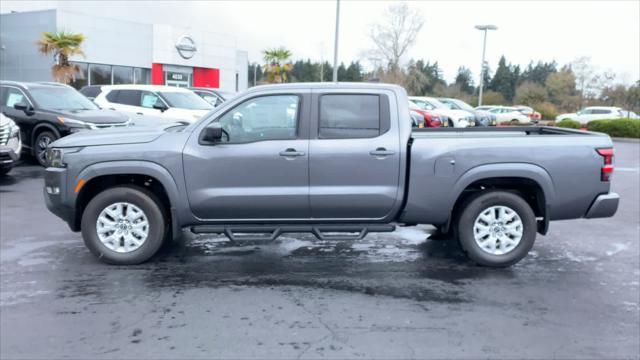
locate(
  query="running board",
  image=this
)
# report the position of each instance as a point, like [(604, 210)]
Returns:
[(272, 232)]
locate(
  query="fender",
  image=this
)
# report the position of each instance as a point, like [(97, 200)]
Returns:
[(138, 167), (518, 170)]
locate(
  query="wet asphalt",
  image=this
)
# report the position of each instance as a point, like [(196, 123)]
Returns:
[(400, 295)]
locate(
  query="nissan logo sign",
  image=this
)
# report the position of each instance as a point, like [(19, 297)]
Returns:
[(186, 47)]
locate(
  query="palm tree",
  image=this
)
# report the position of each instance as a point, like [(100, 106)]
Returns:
[(276, 65), (62, 45)]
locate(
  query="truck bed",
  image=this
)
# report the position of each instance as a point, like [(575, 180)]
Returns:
[(444, 162)]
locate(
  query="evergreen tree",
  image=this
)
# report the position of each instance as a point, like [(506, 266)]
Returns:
[(464, 80), (539, 72), (505, 79)]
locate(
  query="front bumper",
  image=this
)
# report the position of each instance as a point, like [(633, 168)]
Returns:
[(55, 191), (605, 205), (8, 157)]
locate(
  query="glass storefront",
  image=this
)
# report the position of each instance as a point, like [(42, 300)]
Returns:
[(101, 74)]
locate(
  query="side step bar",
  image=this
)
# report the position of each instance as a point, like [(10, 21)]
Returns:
[(272, 232)]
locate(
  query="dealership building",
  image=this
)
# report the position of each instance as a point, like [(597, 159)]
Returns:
[(134, 43)]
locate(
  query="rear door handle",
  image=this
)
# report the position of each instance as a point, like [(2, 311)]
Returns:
[(381, 152), (291, 152)]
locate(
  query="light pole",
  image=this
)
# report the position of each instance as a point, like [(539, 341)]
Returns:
[(335, 45), (484, 28)]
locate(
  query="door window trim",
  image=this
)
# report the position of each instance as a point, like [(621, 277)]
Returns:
[(299, 134), (23, 94), (384, 113)]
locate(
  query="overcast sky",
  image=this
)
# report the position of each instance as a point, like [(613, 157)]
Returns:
[(606, 31)]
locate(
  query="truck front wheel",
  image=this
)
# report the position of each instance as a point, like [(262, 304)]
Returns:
[(123, 225), (496, 228)]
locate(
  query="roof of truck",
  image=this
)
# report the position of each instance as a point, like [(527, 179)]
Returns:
[(326, 85)]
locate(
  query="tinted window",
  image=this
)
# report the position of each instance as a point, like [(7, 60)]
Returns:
[(82, 77), (91, 91), (128, 97), (100, 74), (349, 116), (122, 75), (141, 76), (262, 118), (601, 111)]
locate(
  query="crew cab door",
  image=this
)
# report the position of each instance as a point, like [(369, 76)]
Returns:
[(354, 164), (260, 171)]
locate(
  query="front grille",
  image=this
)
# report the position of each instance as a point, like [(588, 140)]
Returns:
[(4, 134)]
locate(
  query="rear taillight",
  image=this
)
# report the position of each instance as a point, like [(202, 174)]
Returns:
[(607, 169)]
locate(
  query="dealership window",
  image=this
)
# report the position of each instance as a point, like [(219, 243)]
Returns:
[(100, 74), (122, 75), (82, 77), (141, 76)]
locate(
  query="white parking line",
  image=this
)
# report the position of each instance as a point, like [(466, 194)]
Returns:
[(627, 169)]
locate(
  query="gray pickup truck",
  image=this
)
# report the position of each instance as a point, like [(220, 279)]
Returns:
[(335, 160)]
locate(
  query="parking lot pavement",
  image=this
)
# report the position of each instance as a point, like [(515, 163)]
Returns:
[(399, 295)]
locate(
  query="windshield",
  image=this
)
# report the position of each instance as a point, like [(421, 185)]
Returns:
[(462, 105), (61, 98), (185, 100)]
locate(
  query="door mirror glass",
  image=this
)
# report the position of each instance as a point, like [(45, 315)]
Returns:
[(213, 133)]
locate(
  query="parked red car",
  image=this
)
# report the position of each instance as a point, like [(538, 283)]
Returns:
[(430, 118)]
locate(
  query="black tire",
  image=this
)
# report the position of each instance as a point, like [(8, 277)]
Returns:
[(469, 212), (4, 171), (43, 139), (143, 199)]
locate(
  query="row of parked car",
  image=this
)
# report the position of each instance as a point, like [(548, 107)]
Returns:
[(436, 112), (36, 114)]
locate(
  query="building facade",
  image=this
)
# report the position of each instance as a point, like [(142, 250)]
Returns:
[(121, 49)]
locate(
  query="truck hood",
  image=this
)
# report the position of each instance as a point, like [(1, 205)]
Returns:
[(115, 136), (97, 116)]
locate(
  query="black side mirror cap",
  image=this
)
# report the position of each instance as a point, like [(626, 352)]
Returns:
[(160, 106), (28, 109), (212, 133)]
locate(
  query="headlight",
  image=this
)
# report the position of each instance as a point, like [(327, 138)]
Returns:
[(74, 123), (14, 130), (55, 156)]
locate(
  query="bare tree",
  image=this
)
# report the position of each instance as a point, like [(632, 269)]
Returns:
[(395, 36)]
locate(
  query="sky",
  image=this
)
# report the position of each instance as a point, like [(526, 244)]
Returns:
[(606, 31)]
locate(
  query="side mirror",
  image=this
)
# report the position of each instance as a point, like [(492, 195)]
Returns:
[(160, 106), (213, 133), (23, 107)]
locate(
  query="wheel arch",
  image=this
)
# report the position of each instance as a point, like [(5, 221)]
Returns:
[(37, 129), (530, 181), (155, 178)]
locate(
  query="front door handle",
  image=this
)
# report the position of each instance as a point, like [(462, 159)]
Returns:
[(291, 152), (381, 152)]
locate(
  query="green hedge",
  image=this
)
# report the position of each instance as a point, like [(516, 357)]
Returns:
[(568, 123), (629, 128)]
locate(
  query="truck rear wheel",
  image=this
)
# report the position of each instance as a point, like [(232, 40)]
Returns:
[(123, 225), (496, 228)]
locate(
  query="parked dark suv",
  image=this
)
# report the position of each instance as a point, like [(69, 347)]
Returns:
[(47, 111)]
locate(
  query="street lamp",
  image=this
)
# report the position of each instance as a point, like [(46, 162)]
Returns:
[(335, 45), (484, 28)]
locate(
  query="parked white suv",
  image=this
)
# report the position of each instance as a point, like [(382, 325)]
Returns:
[(455, 118), (593, 113), (166, 102), (509, 114)]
